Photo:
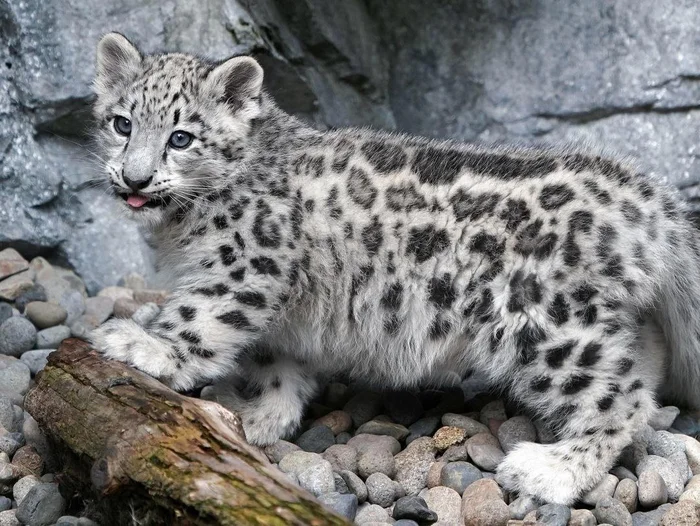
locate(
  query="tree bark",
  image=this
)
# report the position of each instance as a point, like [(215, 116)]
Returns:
[(149, 453)]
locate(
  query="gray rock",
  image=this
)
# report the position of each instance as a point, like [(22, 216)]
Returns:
[(355, 485), (405, 522), (81, 328), (493, 411), (363, 407), (364, 442), (522, 506), (343, 438), (413, 464), (5, 311), (336, 394), (626, 492), (10, 415), (5, 503), (605, 488), (44, 314), (612, 511), (687, 424), (423, 427), (35, 293), (36, 360), (372, 461), (553, 515), (652, 490), (22, 487), (14, 376), (97, 310), (318, 478), (42, 506), (455, 453), (459, 475), (298, 461), (515, 430), (9, 518), (485, 451), (146, 314), (471, 426), (35, 438), (622, 472), (372, 513), (74, 303), (381, 489), (632, 455), (316, 440), (51, 338), (669, 473), (650, 518), (664, 417), (84, 521), (344, 505), (277, 451), (377, 427), (414, 508), (403, 407), (340, 485), (342, 457), (67, 520), (133, 281), (17, 335), (446, 502)]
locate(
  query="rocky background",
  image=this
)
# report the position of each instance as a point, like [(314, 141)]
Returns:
[(622, 75)]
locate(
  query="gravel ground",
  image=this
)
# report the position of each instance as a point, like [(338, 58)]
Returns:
[(403, 458)]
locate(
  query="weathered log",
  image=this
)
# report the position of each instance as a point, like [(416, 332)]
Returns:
[(143, 449)]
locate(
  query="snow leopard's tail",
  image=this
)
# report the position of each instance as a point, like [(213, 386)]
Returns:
[(679, 313)]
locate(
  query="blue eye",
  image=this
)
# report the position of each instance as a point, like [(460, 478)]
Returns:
[(122, 125), (180, 140)]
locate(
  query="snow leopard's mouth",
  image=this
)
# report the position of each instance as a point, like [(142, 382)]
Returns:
[(136, 201)]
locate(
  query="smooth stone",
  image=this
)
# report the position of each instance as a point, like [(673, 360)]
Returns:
[(444, 501), (97, 310), (692, 453), (318, 478), (42, 505), (483, 505), (413, 463), (36, 360), (336, 394), (298, 461), (612, 511), (406, 522), (687, 423), (455, 453), (685, 513), (22, 487), (632, 455), (380, 489), (604, 489), (34, 437), (414, 508), (433, 478), (35, 293), (448, 436), (364, 442), (157, 296), (28, 462), (485, 451), (125, 308), (11, 262), (493, 411), (277, 451), (145, 314), (67, 520), (459, 475), (52, 337), (368, 513), (5, 311), (582, 518), (17, 335), (15, 376), (337, 421), (316, 439), (667, 445), (363, 407), (663, 418), (344, 505), (692, 490), (376, 427), (423, 427), (5, 503), (116, 293), (9, 518), (553, 515), (621, 472), (403, 407), (515, 430), (44, 315), (342, 457), (650, 518), (14, 286), (10, 415), (626, 492), (343, 438), (669, 473), (133, 281), (522, 506), (372, 461), (74, 303), (81, 328), (340, 485), (652, 490), (471, 426), (355, 485)]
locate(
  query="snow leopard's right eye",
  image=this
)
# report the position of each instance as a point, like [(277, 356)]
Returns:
[(122, 125)]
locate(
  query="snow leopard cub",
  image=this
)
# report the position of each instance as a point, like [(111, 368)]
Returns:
[(296, 252)]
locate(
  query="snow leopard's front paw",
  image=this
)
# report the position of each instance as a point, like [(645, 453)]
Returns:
[(125, 341), (537, 470)]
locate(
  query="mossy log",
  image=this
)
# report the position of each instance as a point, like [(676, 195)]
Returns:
[(135, 444)]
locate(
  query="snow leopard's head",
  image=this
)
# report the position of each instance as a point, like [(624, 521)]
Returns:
[(170, 124)]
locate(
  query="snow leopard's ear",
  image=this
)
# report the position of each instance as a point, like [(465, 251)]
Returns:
[(118, 62), (236, 81)]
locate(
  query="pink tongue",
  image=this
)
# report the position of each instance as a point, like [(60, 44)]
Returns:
[(136, 201)]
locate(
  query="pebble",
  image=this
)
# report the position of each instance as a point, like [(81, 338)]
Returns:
[(81, 328), (582, 518), (381, 489), (42, 505), (28, 462), (455, 453), (277, 451), (145, 314), (297, 461), (340, 485), (355, 485), (471, 426), (413, 463), (604, 489), (414, 508), (669, 473), (52, 337), (403, 407), (97, 310), (343, 504), (336, 394), (35, 438), (688, 423), (692, 490), (685, 513), (663, 418), (650, 518), (365, 442), (17, 335), (553, 515), (515, 430), (9, 518), (14, 286), (35, 293), (343, 438), (74, 303), (372, 461), (483, 505), (317, 478), (371, 513), (522, 506), (11, 262), (10, 415), (459, 475), (22, 487), (133, 281), (14, 376), (612, 511), (5, 311), (485, 451), (445, 502), (433, 478), (44, 315), (626, 492), (493, 411), (378, 427), (157, 296), (632, 455), (116, 293), (422, 427), (125, 308), (621, 472), (407, 522), (67, 520), (316, 439), (342, 457), (652, 490), (337, 421), (363, 407), (670, 446), (5, 503)]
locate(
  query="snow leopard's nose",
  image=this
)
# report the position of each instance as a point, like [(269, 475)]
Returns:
[(138, 184)]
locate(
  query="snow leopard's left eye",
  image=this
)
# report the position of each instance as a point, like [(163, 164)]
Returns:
[(180, 140)]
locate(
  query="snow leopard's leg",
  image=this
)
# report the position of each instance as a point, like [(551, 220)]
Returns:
[(271, 403), (595, 385)]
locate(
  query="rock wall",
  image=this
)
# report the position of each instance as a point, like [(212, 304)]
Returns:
[(623, 75)]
